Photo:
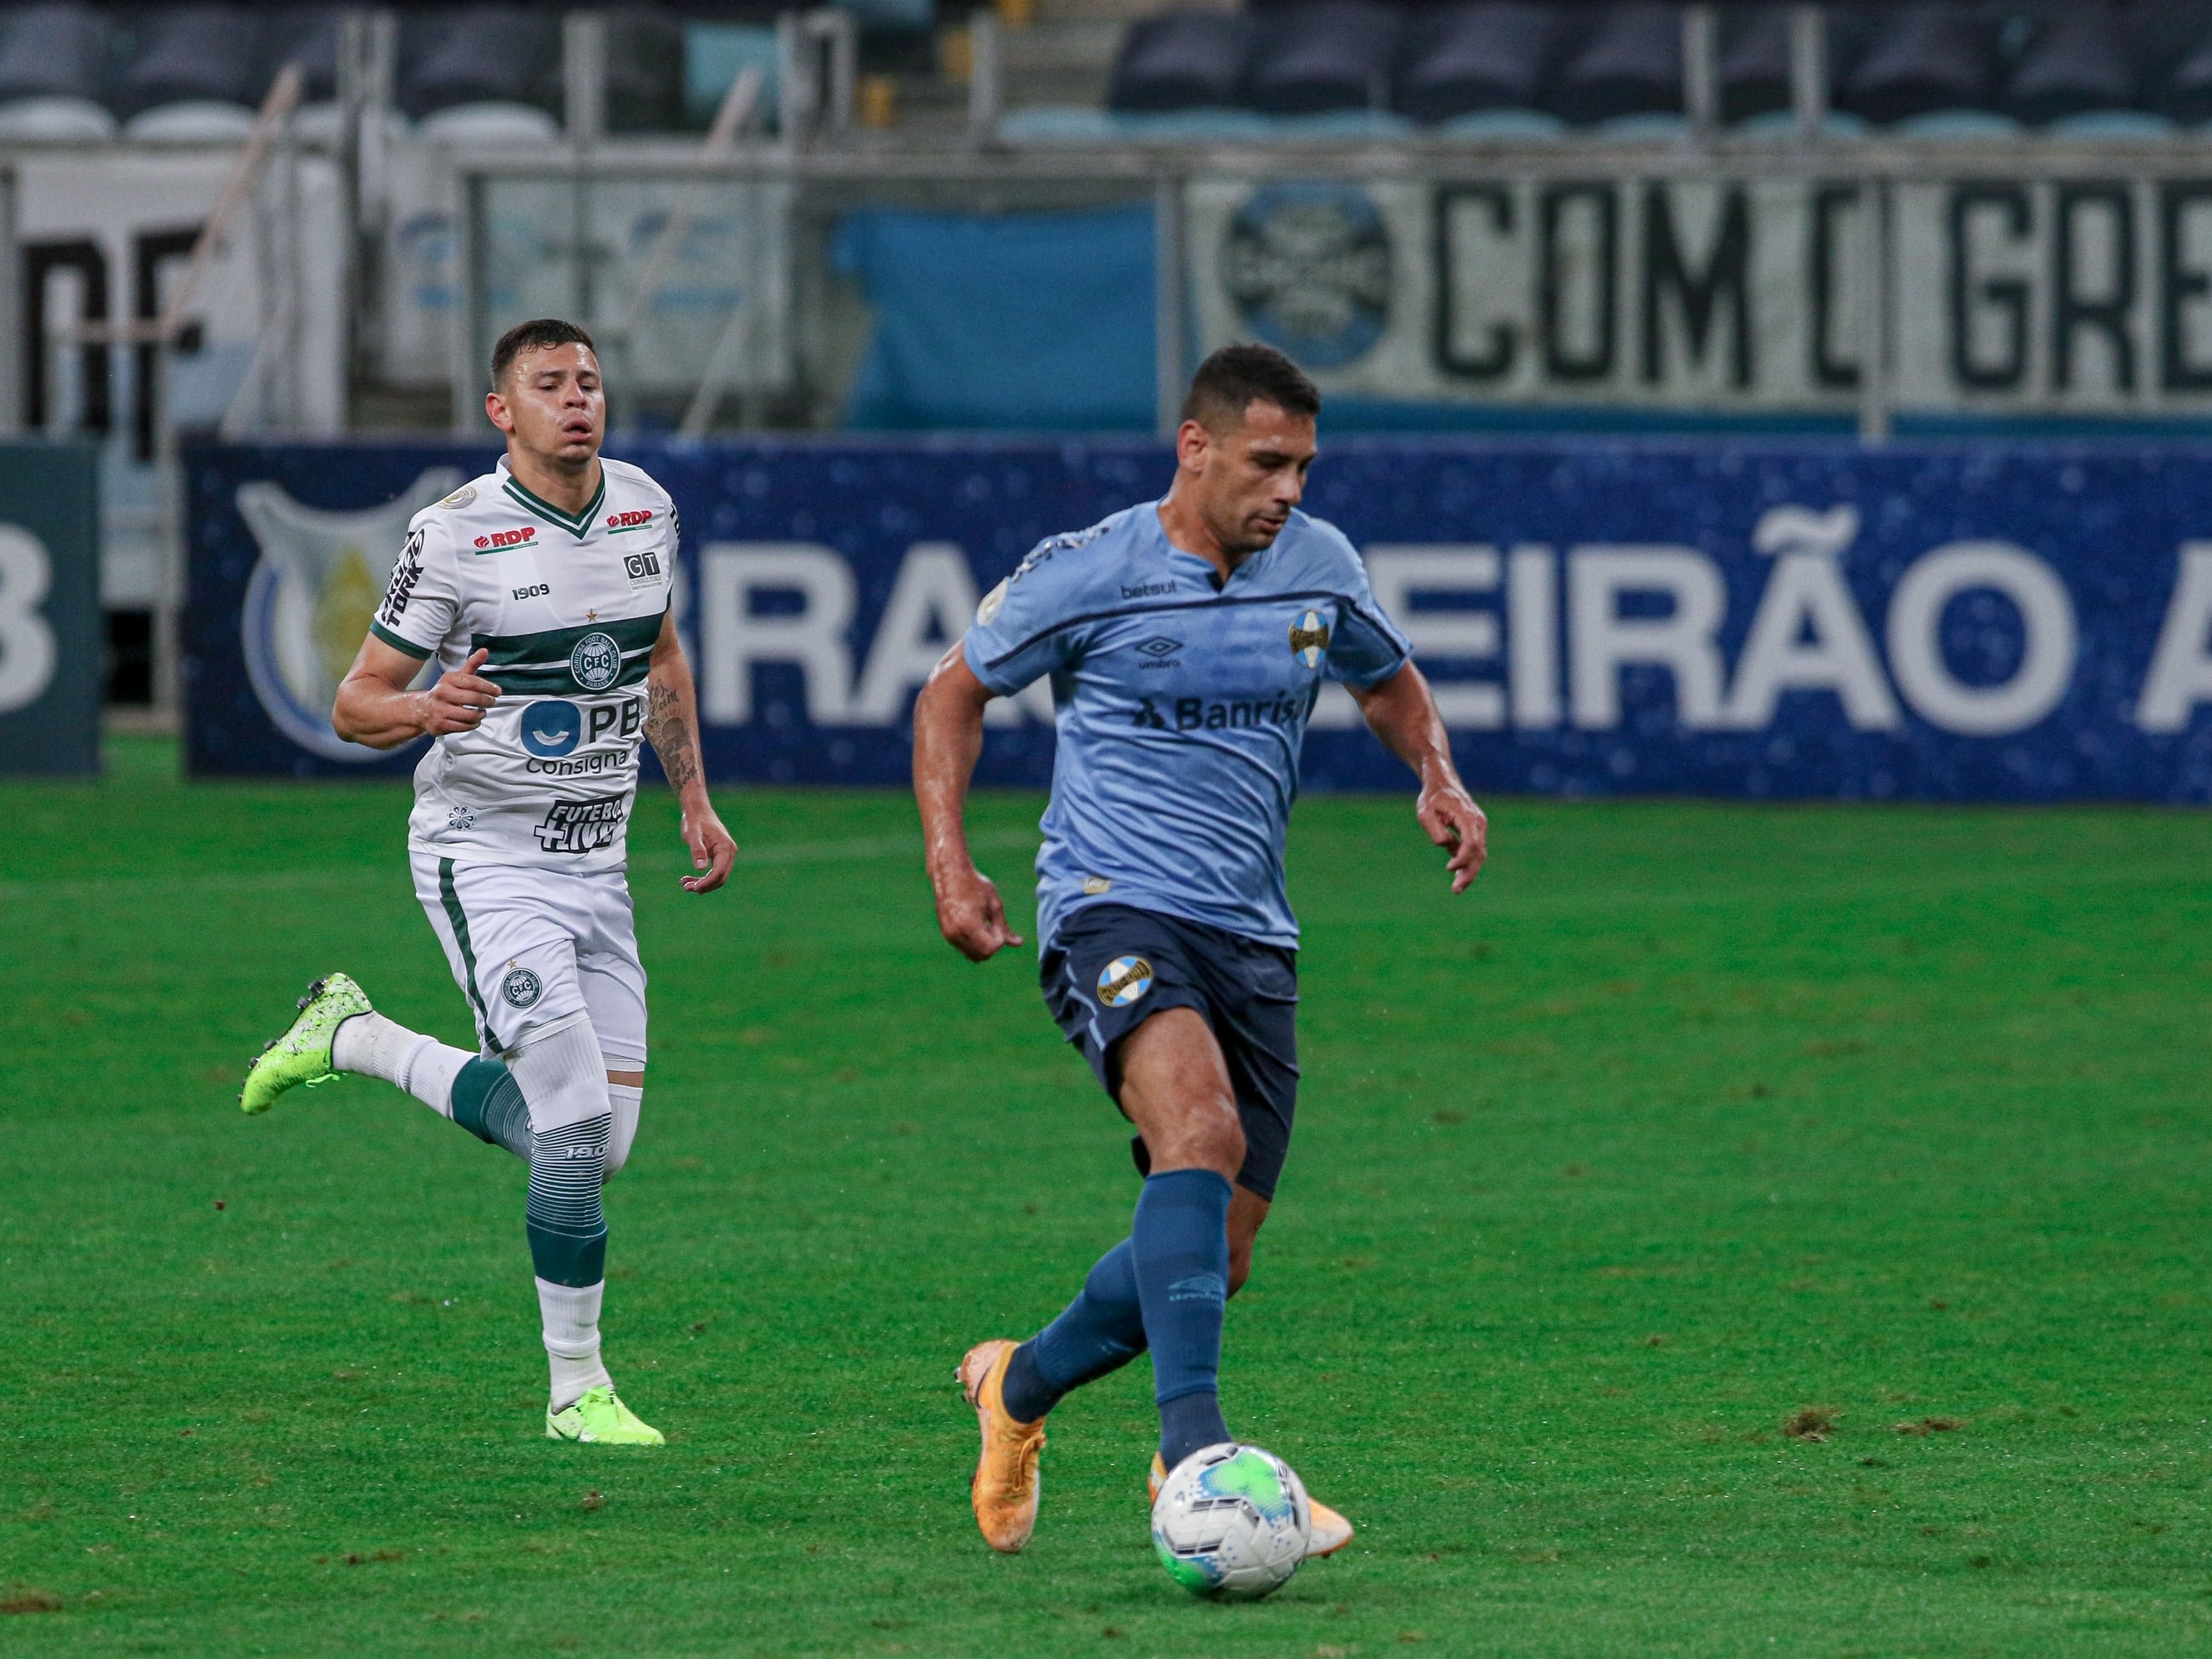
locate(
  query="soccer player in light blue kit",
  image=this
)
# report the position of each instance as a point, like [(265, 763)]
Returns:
[(1186, 641)]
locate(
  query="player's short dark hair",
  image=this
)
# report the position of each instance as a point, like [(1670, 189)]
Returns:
[(1229, 381), (538, 332)]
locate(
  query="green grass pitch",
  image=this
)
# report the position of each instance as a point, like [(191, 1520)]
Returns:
[(1690, 1121)]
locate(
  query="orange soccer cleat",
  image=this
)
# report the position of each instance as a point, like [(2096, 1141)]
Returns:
[(1005, 1488)]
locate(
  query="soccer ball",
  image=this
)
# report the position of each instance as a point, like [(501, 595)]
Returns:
[(1232, 1522)]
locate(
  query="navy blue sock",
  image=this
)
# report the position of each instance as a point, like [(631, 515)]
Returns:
[(1179, 1245), (1101, 1330)]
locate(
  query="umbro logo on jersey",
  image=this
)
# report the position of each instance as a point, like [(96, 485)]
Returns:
[(629, 520), (1309, 639), (1158, 647), (508, 538)]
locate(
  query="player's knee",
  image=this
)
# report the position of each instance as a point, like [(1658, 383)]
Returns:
[(1219, 1143)]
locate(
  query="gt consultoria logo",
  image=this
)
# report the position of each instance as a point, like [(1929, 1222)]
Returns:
[(316, 588), (520, 988), (581, 826), (1123, 980), (643, 569), (596, 662), (1309, 639), (1309, 266)]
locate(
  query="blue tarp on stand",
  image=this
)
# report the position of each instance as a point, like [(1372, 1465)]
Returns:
[(984, 322)]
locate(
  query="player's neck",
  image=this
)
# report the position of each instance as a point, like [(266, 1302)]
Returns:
[(569, 489), (1187, 532)]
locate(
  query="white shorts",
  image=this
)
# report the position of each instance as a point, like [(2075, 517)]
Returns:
[(536, 951)]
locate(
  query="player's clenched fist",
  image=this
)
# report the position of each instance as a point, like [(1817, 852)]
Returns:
[(457, 701), (971, 915)]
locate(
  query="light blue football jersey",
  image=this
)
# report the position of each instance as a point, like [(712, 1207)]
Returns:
[(1181, 705)]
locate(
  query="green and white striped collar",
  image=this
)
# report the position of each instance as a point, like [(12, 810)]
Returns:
[(578, 524)]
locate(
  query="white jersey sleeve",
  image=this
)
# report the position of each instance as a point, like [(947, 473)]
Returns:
[(422, 601)]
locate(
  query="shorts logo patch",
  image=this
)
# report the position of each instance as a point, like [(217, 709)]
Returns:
[(1123, 980), (596, 663), (520, 988), (1309, 639)]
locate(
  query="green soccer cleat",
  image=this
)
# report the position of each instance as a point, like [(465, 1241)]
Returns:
[(302, 1054), (600, 1419)]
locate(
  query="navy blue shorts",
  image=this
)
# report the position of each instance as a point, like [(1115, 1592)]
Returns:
[(1111, 967)]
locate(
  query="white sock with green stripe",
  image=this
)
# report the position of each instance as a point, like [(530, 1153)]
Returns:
[(376, 1047)]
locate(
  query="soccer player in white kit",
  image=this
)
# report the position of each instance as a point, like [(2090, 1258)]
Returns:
[(542, 588)]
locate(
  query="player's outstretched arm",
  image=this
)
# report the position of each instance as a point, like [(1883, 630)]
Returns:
[(948, 737), (1401, 712), (672, 727), (375, 708)]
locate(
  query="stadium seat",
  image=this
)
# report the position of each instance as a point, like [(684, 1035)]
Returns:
[(1503, 126), (55, 121), (1924, 59), (1836, 125), (1182, 60), (52, 51), (2079, 60), (1629, 63), (1958, 126), (1490, 56), (2123, 124), (505, 56), (490, 123), (1340, 126), (191, 121), (196, 55), (1753, 69), (1082, 125), (1330, 55), (52, 63)]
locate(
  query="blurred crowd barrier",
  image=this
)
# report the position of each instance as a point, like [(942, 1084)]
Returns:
[(1757, 619)]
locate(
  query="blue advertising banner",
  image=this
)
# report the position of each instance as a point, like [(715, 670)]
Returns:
[(52, 638), (2015, 622)]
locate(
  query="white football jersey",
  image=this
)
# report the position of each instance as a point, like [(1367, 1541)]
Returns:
[(568, 608)]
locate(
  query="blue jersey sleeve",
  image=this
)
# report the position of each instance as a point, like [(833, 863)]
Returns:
[(1025, 627), (1365, 646)]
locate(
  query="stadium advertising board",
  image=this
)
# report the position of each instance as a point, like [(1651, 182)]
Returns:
[(2009, 294), (1814, 619), (51, 633)]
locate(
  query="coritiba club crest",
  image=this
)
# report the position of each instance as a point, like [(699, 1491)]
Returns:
[(309, 600), (1309, 266)]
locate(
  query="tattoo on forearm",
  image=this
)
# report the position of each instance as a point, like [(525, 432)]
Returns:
[(669, 734)]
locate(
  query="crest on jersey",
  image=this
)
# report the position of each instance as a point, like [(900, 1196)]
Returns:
[(596, 663), (1309, 639), (1123, 980), (319, 580)]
